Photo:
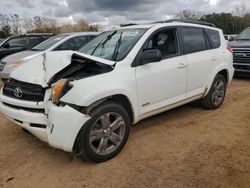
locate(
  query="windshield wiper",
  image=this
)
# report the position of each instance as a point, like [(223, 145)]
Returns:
[(117, 46), (104, 41)]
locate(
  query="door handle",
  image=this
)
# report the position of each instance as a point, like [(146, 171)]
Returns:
[(181, 65), (214, 59)]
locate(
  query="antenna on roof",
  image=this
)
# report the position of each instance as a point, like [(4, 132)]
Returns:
[(187, 21)]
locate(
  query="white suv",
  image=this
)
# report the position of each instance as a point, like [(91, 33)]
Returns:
[(85, 102)]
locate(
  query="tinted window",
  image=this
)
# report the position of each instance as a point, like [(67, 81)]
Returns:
[(91, 37), (73, 43), (194, 40), (17, 42), (49, 42), (33, 41), (165, 41), (213, 37)]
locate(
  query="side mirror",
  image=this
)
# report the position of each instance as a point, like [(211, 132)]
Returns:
[(150, 56), (6, 45)]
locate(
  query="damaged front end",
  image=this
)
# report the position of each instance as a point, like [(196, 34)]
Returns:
[(79, 68), (54, 74), (65, 118)]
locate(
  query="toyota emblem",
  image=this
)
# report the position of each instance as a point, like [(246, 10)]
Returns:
[(18, 92)]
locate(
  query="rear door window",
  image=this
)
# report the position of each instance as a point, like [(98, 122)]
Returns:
[(193, 40)]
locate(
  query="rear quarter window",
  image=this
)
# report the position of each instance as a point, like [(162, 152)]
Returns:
[(193, 40), (213, 37)]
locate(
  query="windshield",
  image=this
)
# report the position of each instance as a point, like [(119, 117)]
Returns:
[(244, 35), (113, 45), (49, 43)]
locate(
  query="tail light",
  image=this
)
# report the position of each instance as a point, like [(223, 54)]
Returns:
[(230, 49)]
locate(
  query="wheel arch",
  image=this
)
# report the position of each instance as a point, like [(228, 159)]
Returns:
[(120, 99), (222, 71)]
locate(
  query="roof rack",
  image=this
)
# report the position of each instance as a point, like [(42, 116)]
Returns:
[(187, 21), (129, 24), (38, 34)]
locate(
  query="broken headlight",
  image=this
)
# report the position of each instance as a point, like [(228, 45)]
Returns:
[(58, 89)]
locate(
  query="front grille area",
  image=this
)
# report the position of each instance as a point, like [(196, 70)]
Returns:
[(35, 110), (23, 91), (2, 65), (242, 59)]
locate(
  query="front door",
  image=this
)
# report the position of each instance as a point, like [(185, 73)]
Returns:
[(162, 83)]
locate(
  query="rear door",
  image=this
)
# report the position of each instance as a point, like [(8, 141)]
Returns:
[(200, 57)]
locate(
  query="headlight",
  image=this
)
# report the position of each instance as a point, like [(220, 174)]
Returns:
[(57, 90)]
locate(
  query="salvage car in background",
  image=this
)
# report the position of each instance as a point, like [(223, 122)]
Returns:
[(241, 53), (230, 38), (1, 40), (21, 42), (86, 101), (67, 41)]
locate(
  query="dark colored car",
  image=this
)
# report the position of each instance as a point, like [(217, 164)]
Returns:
[(21, 42), (241, 53), (1, 40)]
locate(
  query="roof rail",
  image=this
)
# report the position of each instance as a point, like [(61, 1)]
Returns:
[(38, 34), (187, 21), (129, 24)]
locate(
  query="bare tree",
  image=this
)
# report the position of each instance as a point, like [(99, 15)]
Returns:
[(189, 15), (15, 21), (28, 24), (241, 10), (4, 20)]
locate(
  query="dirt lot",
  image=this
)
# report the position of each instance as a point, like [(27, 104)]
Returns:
[(185, 147)]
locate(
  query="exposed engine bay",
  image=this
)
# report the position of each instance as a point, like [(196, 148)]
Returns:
[(79, 68)]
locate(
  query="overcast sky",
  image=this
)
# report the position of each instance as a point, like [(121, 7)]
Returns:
[(109, 13)]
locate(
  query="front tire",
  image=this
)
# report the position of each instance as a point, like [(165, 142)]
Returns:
[(216, 94), (105, 134)]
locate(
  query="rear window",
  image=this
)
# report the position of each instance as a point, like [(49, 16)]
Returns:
[(213, 37), (49, 42), (194, 40), (74, 43), (35, 40)]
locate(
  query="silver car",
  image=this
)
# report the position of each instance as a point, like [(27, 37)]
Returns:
[(67, 41)]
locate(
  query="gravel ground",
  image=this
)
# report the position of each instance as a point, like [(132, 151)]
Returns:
[(184, 147)]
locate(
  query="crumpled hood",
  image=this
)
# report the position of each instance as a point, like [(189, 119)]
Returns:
[(21, 56), (40, 69)]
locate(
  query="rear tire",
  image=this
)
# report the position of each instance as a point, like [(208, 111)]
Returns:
[(216, 94), (105, 134)]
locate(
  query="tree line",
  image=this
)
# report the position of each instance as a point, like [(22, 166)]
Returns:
[(13, 24), (230, 23)]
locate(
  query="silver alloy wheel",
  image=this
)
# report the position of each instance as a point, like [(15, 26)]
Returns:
[(107, 133), (218, 92)]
